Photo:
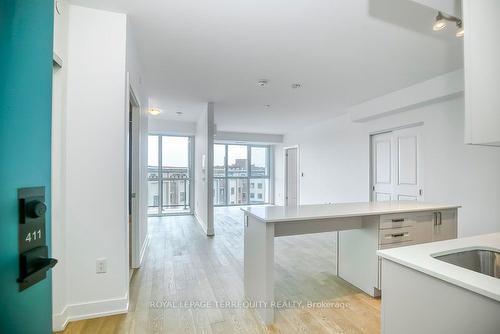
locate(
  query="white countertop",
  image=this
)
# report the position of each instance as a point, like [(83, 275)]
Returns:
[(273, 213), (419, 257)]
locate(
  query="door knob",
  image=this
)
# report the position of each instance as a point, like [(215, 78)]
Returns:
[(35, 209)]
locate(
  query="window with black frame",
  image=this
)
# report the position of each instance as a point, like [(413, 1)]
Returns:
[(241, 174)]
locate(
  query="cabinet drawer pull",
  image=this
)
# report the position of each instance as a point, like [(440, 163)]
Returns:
[(399, 220), (438, 218), (397, 235)]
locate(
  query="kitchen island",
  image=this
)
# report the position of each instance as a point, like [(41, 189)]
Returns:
[(454, 285), (381, 224)]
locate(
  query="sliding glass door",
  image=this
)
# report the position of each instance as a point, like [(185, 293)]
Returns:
[(241, 174), (169, 175)]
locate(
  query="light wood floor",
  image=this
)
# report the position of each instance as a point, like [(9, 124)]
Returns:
[(182, 264)]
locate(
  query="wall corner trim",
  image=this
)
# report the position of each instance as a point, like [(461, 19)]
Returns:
[(203, 226), (145, 246), (57, 60)]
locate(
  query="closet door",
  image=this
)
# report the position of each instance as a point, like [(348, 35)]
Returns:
[(396, 167), (407, 165), (382, 169)]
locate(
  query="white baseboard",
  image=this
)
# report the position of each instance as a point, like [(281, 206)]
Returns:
[(89, 310), (143, 249)]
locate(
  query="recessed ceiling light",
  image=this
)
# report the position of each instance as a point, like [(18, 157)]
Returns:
[(263, 83), (154, 111), (178, 113), (296, 85)]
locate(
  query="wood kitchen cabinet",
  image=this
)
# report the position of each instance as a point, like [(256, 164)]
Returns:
[(482, 71), (444, 225), (357, 259), (435, 226)]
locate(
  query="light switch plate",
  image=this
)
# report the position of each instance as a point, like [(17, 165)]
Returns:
[(101, 266)]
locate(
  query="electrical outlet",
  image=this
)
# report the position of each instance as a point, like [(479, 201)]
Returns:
[(101, 266)]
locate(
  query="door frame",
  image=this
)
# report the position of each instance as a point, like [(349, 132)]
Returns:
[(133, 238), (370, 152), (285, 173)]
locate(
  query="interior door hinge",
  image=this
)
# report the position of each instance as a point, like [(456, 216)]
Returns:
[(420, 192)]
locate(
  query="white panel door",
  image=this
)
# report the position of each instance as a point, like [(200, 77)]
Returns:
[(382, 178), (407, 164), (396, 167), (291, 177)]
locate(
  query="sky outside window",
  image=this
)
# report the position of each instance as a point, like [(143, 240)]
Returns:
[(152, 150), (175, 151)]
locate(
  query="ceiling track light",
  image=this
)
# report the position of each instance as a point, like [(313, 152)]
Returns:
[(442, 20), (460, 31)]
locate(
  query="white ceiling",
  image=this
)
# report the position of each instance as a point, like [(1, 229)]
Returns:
[(343, 52)]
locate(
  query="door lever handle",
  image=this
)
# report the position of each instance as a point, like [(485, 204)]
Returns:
[(33, 266), (42, 266)]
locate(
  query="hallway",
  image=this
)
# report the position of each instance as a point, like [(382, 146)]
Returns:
[(183, 265)]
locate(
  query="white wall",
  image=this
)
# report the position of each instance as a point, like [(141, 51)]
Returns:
[(203, 178), (427, 92), (334, 158), (88, 130), (95, 188), (170, 127), (250, 138), (450, 7)]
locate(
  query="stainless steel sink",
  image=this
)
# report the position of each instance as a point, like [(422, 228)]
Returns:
[(480, 260)]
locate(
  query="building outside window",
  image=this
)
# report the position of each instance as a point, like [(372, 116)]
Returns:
[(169, 175), (245, 167)]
